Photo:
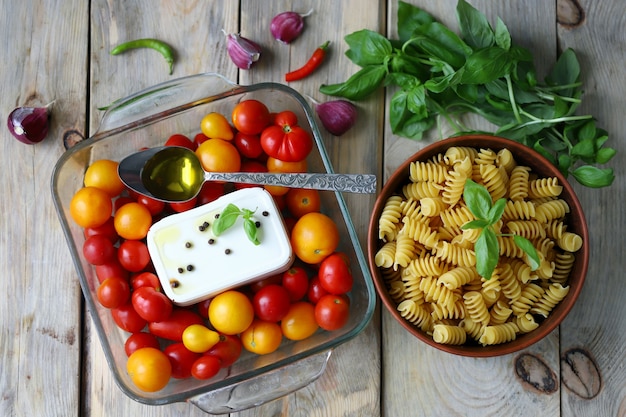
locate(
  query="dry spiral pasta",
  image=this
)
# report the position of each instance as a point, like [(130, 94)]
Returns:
[(428, 263)]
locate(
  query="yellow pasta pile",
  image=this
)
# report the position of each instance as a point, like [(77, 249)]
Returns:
[(428, 261)]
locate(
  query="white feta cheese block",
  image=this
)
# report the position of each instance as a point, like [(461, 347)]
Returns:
[(194, 264)]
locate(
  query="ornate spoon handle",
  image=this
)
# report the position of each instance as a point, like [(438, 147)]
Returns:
[(351, 183)]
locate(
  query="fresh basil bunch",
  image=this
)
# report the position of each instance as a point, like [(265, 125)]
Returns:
[(441, 74)]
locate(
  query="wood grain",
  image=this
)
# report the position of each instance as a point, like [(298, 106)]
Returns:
[(596, 325), (51, 360), (41, 314)]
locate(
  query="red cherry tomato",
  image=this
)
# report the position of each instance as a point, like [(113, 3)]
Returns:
[(154, 206), (133, 255), (151, 304), (184, 206), (296, 282), (145, 279), (107, 229), (228, 350), (274, 279), (98, 250), (315, 291), (205, 367), (181, 140), (210, 191), (121, 201), (173, 327), (181, 358), (286, 117), (332, 312), (249, 146), (250, 117), (271, 303), (127, 318), (113, 292), (112, 268), (286, 141), (335, 274), (140, 340), (199, 139), (250, 166)]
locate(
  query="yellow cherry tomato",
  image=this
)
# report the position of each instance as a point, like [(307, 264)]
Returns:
[(218, 155), (198, 338), (103, 174), (231, 312), (215, 126)]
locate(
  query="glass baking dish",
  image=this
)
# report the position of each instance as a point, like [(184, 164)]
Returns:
[(147, 119)]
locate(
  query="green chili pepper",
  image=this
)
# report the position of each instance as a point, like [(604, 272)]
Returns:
[(159, 46)]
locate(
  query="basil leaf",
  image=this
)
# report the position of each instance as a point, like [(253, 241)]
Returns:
[(584, 149), (478, 199), (528, 248), (474, 27), (496, 211), (409, 17), (227, 219), (487, 253), (405, 123), (360, 85), (604, 155), (416, 101), (486, 65), (251, 231), (593, 177), (475, 224), (367, 47), (566, 71), (503, 37), (440, 42)]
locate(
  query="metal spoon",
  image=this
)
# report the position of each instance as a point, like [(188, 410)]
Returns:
[(174, 174)]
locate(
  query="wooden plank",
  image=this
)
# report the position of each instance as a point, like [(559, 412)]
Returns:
[(351, 383), (420, 380), (593, 337), (39, 336)]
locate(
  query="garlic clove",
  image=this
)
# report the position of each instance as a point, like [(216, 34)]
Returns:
[(242, 51), (287, 26), (337, 116)]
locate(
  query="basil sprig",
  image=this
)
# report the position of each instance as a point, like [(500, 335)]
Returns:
[(439, 74), (487, 214), (228, 217)]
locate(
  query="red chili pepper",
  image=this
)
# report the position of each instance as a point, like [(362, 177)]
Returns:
[(310, 66)]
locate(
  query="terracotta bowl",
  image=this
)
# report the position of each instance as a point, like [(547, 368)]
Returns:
[(575, 221)]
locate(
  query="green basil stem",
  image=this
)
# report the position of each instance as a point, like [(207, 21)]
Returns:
[(509, 86)]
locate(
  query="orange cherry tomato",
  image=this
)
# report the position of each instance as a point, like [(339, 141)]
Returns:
[(218, 155), (103, 174), (149, 369), (132, 221), (301, 201), (314, 237), (299, 322), (91, 207), (262, 337), (276, 165)]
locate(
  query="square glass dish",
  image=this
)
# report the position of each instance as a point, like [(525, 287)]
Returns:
[(147, 119)]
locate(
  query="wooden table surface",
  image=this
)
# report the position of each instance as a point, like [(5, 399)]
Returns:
[(51, 360)]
